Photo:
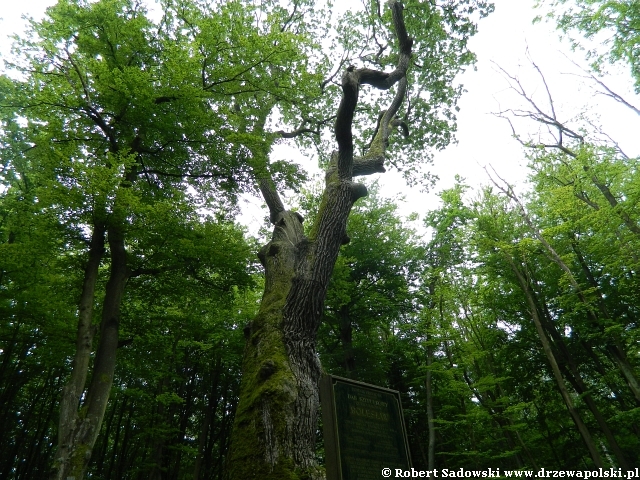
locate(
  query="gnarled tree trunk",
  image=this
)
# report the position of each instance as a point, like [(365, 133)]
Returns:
[(275, 424)]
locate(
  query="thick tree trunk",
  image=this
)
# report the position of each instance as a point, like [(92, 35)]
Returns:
[(276, 420), (82, 433), (279, 383)]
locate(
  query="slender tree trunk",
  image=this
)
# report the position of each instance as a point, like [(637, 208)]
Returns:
[(431, 425), (74, 388), (120, 410), (38, 416), (209, 411), (346, 338), (216, 467), (430, 418), (159, 440), (575, 415), (627, 370), (548, 437), (574, 377), (83, 432), (614, 348), (495, 414), (611, 199), (124, 459), (581, 389), (187, 410)]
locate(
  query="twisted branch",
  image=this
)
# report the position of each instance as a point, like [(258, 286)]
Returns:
[(351, 81)]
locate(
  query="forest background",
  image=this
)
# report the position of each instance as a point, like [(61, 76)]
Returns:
[(509, 323)]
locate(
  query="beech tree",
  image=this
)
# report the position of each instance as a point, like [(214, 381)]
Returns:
[(584, 195), (109, 126), (612, 24), (517, 345)]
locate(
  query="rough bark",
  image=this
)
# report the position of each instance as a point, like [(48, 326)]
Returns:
[(276, 420)]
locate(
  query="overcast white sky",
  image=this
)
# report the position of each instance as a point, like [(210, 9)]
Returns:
[(503, 40)]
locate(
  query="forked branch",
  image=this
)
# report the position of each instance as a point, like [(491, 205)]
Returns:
[(549, 118), (353, 78), (557, 129)]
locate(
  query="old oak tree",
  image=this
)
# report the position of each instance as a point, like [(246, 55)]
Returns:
[(275, 425)]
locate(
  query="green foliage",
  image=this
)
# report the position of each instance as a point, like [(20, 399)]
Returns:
[(104, 121), (613, 24), (113, 121), (177, 381), (372, 292), (440, 34)]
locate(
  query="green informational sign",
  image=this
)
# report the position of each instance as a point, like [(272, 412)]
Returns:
[(363, 429)]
